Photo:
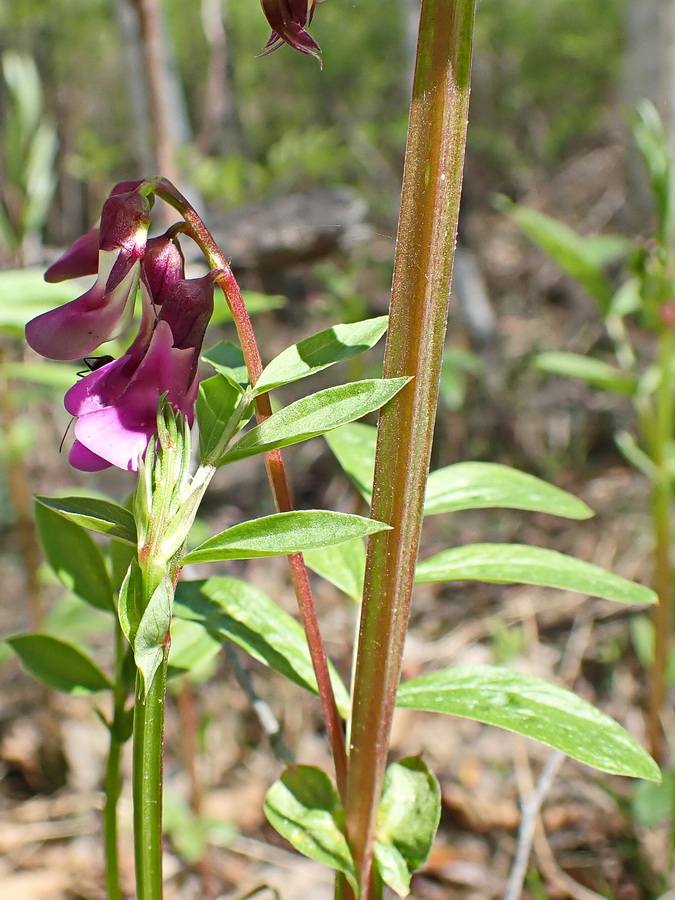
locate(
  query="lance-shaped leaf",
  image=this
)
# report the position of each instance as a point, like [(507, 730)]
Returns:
[(150, 640), (303, 806), (324, 349), (101, 516), (314, 415), (343, 565), (532, 707), (479, 485), (595, 372), (236, 611), (582, 257), (468, 485), (407, 821), (354, 447), (283, 533), (521, 564), (57, 664), (75, 557)]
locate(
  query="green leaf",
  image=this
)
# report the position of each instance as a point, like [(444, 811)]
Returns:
[(654, 147), (101, 516), (343, 565), (217, 402), (582, 257), (75, 557), (595, 372), (534, 708), (130, 602), (236, 611), (314, 415), (283, 533), (193, 649), (407, 821), (324, 349), (478, 485), (58, 665), (227, 359), (150, 640), (521, 564), (303, 806), (354, 447)]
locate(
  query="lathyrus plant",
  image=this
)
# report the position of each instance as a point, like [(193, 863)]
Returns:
[(641, 370), (373, 823)]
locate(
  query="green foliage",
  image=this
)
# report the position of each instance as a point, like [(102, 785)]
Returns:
[(75, 557), (28, 156), (58, 664), (407, 820), (534, 708), (283, 533), (233, 610), (303, 806), (343, 565), (520, 564), (328, 347), (314, 415), (96, 514)]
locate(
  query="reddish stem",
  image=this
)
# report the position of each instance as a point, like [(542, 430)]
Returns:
[(276, 471)]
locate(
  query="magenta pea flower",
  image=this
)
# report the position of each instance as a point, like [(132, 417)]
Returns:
[(287, 19), (116, 406), (76, 329)]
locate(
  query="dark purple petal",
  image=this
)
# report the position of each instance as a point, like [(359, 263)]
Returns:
[(287, 19), (163, 265), (76, 329), (80, 259), (125, 220)]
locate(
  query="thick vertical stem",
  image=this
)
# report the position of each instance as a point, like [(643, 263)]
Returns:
[(422, 273), (147, 784)]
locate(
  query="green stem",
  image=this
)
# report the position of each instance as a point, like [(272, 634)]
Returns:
[(147, 784), (661, 434), (422, 274), (112, 780), (112, 785)]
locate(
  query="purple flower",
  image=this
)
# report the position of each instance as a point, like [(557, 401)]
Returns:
[(116, 406), (288, 19), (76, 329)]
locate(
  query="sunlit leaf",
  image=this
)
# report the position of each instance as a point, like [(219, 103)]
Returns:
[(532, 707), (236, 611), (283, 533), (521, 564), (336, 344), (303, 806)]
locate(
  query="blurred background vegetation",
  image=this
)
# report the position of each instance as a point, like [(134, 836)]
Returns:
[(545, 84)]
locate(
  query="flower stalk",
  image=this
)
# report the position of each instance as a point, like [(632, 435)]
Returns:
[(418, 314)]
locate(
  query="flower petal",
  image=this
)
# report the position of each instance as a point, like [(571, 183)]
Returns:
[(80, 457), (80, 259)]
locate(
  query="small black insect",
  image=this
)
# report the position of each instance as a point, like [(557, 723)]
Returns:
[(93, 363)]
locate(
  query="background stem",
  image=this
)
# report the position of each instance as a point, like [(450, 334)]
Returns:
[(661, 501), (422, 273)]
